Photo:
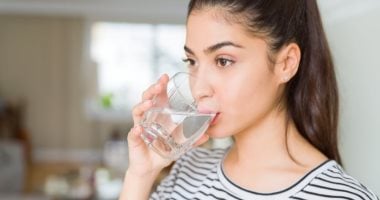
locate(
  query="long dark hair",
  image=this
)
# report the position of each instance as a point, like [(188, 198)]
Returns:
[(311, 96)]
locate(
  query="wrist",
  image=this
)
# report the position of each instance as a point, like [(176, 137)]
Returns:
[(137, 185), (143, 176)]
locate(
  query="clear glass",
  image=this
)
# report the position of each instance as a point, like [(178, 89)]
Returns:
[(174, 124)]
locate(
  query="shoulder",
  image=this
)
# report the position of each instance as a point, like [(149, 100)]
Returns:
[(334, 182), (199, 160), (203, 154), (196, 158), (192, 170)]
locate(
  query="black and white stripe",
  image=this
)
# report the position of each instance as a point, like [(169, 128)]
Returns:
[(199, 175)]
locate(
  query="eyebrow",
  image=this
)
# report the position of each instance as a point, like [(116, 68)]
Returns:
[(214, 47)]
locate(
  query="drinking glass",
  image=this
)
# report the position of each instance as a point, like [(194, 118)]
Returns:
[(174, 124)]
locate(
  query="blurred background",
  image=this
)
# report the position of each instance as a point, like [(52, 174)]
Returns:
[(70, 71)]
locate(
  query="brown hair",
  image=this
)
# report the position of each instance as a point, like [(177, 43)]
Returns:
[(311, 96)]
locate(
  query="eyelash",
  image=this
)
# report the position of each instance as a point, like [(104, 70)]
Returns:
[(191, 62), (222, 59)]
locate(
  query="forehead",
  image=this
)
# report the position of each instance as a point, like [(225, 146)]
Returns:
[(211, 26)]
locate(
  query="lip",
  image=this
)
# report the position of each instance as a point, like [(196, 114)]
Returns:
[(206, 111), (210, 111), (215, 119)]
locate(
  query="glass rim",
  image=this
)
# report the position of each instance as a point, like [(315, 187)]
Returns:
[(172, 79)]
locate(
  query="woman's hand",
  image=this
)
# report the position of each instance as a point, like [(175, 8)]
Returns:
[(145, 164), (142, 160)]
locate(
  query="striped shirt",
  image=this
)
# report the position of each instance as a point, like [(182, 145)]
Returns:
[(199, 175)]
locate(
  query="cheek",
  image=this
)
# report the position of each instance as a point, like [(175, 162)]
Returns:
[(249, 89), (248, 97), (243, 102), (240, 95)]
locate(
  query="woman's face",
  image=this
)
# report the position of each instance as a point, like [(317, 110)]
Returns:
[(234, 70)]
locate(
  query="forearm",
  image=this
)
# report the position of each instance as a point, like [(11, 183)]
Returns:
[(137, 187)]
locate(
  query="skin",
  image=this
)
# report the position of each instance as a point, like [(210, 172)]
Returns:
[(252, 94), (238, 75)]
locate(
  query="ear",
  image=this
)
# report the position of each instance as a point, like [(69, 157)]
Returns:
[(287, 62)]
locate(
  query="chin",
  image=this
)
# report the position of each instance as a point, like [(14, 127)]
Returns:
[(217, 132)]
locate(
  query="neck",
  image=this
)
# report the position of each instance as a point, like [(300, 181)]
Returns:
[(264, 143), (271, 150), (275, 141)]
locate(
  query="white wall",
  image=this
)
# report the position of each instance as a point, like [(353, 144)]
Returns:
[(354, 35), (40, 62)]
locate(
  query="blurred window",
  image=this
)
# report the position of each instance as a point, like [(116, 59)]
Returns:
[(132, 56)]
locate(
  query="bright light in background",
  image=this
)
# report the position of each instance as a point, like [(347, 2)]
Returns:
[(130, 57)]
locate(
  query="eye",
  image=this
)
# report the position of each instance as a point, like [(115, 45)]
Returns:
[(190, 62), (224, 62)]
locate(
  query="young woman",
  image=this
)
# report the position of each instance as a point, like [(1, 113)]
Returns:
[(267, 63)]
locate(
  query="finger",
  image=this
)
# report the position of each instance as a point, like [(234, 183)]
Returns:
[(156, 88), (134, 137), (151, 91), (163, 82), (164, 79), (202, 140), (139, 110)]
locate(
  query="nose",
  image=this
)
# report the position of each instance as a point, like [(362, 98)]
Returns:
[(201, 87)]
